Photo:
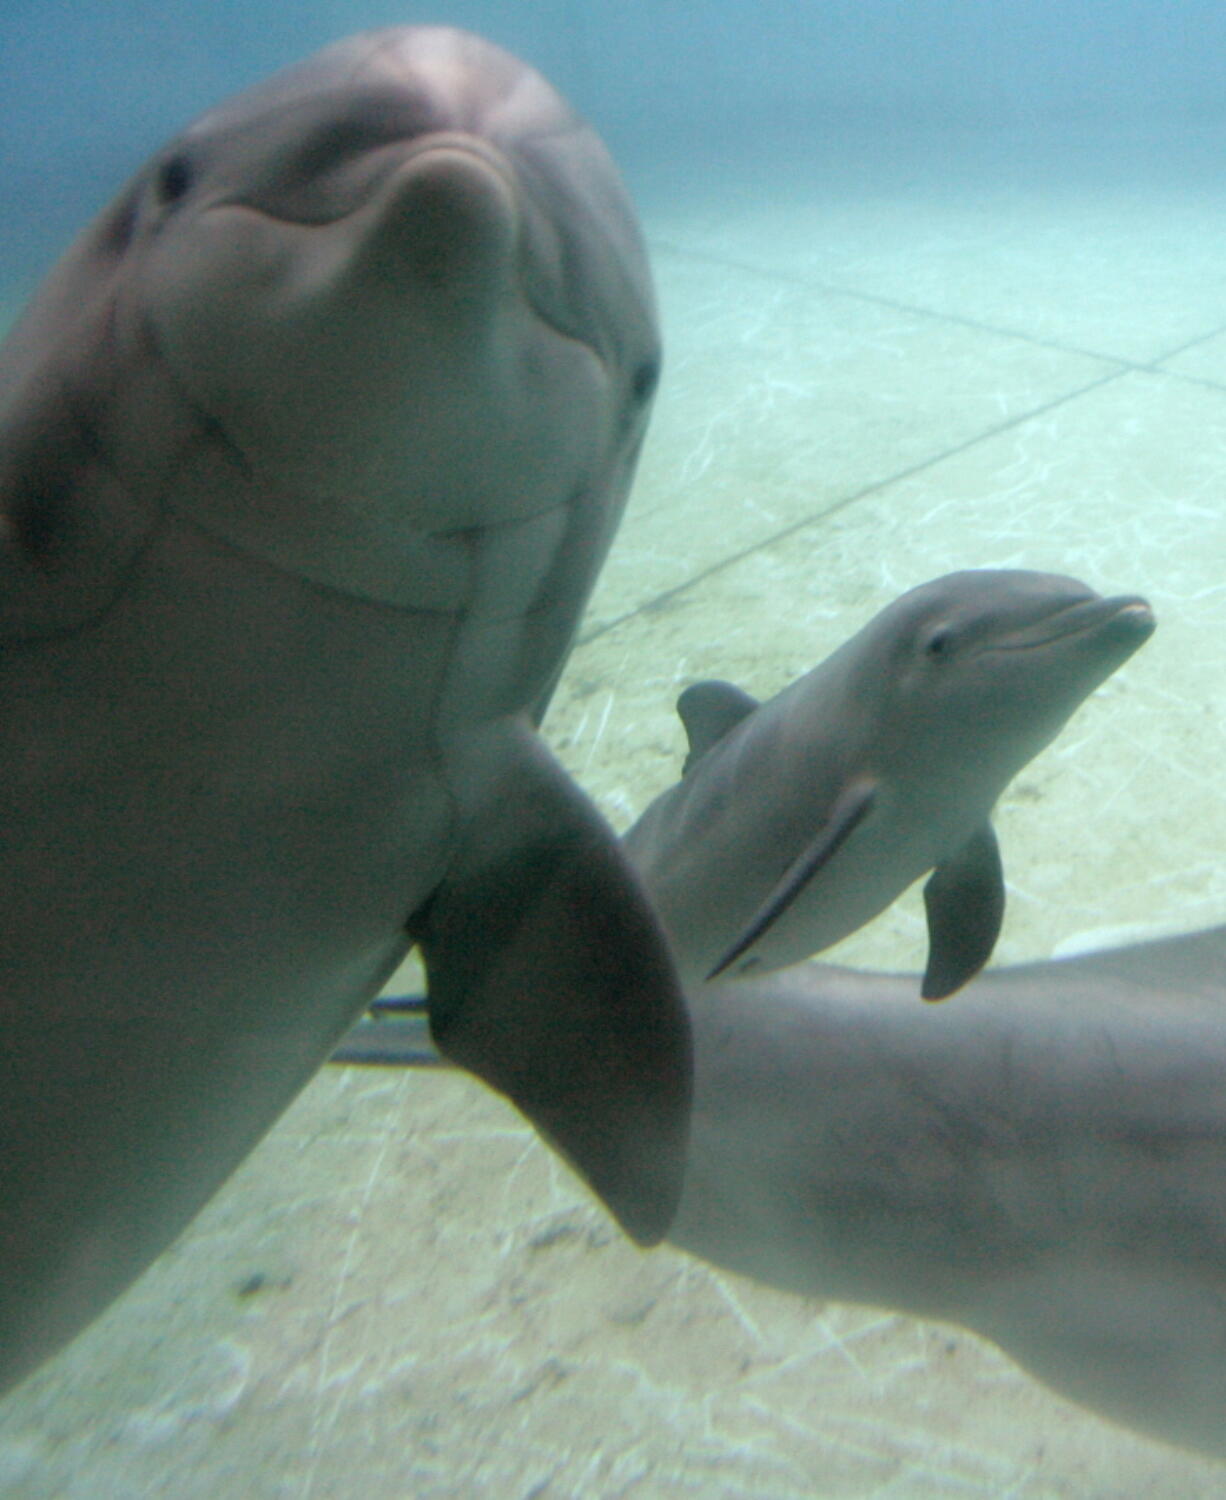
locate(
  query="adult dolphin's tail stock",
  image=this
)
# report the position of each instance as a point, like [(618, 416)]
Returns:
[(1043, 1162), (798, 820)]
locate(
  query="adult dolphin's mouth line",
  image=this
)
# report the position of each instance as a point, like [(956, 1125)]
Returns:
[(405, 153)]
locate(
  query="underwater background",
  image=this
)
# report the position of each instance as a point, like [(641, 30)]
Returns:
[(943, 285)]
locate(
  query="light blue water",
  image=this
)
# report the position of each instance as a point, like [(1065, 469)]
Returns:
[(942, 285)]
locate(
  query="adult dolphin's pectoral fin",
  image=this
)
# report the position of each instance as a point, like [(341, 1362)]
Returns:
[(550, 979), (854, 804), (964, 898)]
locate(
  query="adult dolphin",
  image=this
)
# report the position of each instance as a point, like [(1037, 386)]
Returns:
[(1042, 1160), (311, 448), (798, 820)]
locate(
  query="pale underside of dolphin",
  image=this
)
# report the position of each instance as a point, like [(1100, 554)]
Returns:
[(1042, 1160), (311, 448), (798, 820)]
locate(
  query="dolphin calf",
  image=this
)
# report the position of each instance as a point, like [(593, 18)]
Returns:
[(311, 448), (798, 820), (1042, 1160)]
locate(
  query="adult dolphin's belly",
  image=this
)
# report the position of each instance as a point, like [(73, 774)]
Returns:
[(228, 826), (311, 448)]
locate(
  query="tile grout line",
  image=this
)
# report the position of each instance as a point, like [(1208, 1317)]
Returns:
[(831, 289), (1156, 365), (874, 299), (649, 606)]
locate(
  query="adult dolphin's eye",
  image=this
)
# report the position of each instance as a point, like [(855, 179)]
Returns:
[(174, 179), (643, 381), (939, 643)]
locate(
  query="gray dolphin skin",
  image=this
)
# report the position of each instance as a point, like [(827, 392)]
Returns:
[(311, 448), (798, 820), (1042, 1160)]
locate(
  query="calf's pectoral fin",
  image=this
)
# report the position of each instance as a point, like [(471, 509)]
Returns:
[(964, 898), (853, 806), (549, 978)]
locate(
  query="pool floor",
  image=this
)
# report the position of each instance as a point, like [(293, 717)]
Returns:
[(885, 361)]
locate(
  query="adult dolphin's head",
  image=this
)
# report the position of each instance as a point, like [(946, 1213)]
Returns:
[(403, 285)]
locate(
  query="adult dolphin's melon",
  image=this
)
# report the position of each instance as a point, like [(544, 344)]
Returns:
[(311, 448)]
